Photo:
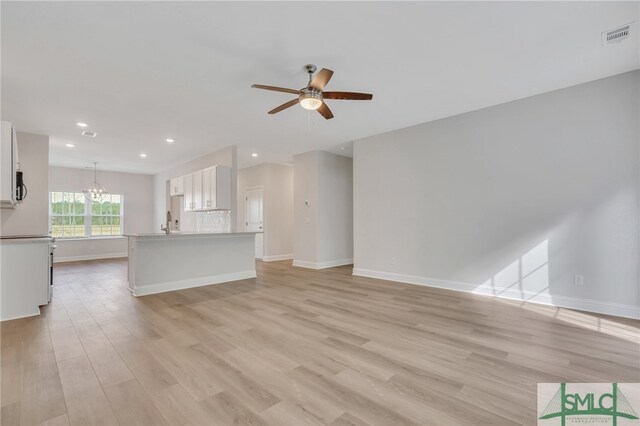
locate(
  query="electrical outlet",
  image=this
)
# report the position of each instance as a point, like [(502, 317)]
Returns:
[(393, 260), (578, 279)]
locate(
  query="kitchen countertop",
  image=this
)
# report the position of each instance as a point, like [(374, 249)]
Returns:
[(26, 240), (189, 234)]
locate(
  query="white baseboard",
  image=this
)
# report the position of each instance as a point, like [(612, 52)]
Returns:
[(277, 257), (88, 257), (590, 305), (27, 315), (322, 265), (190, 283)]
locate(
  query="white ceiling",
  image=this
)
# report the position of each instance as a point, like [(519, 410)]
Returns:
[(141, 72)]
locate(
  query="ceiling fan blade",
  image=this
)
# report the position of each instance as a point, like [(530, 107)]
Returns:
[(348, 96), (321, 79), (284, 106), (275, 89), (325, 111)]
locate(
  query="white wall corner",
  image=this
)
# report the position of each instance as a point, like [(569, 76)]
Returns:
[(277, 257), (322, 265)]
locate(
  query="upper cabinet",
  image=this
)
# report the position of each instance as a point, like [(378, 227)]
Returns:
[(208, 189), (176, 186), (197, 190), (188, 192), (216, 188), (8, 165)]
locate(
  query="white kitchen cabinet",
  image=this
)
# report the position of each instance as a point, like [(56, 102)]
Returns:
[(208, 189), (197, 190), (8, 165), (25, 276), (176, 186), (216, 188), (188, 193)]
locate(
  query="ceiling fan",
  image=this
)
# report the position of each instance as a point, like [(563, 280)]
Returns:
[(312, 96)]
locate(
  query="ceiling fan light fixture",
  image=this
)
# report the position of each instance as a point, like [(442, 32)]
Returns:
[(312, 96), (310, 99)]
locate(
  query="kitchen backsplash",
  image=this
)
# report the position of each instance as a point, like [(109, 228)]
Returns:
[(216, 221)]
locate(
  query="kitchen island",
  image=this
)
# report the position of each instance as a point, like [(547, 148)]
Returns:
[(167, 262)]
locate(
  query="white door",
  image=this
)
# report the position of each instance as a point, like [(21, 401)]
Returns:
[(253, 214)]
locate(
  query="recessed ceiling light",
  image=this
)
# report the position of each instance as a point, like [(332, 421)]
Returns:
[(254, 155), (69, 145), (143, 155), (82, 124), (169, 140)]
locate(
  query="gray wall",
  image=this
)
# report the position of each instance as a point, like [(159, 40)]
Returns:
[(32, 215), (323, 229), (279, 211), (136, 188), (335, 203), (277, 183), (138, 210), (512, 200), (305, 207)]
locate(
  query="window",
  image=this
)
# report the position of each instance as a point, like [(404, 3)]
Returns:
[(67, 214), (105, 216), (73, 216)]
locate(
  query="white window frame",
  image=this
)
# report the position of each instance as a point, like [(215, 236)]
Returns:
[(88, 229), (88, 222)]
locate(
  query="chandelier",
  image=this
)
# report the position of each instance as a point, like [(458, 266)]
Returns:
[(94, 191)]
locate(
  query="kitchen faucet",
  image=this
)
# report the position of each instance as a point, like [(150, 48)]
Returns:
[(167, 227)]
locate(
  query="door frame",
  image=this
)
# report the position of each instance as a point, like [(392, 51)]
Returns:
[(246, 213)]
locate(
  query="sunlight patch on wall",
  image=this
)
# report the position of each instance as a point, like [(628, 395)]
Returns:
[(524, 278)]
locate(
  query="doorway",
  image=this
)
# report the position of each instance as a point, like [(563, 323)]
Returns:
[(254, 217)]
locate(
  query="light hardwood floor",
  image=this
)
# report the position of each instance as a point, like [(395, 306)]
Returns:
[(296, 347)]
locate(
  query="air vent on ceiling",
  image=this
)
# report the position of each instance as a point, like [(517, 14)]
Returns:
[(89, 133), (616, 35)]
